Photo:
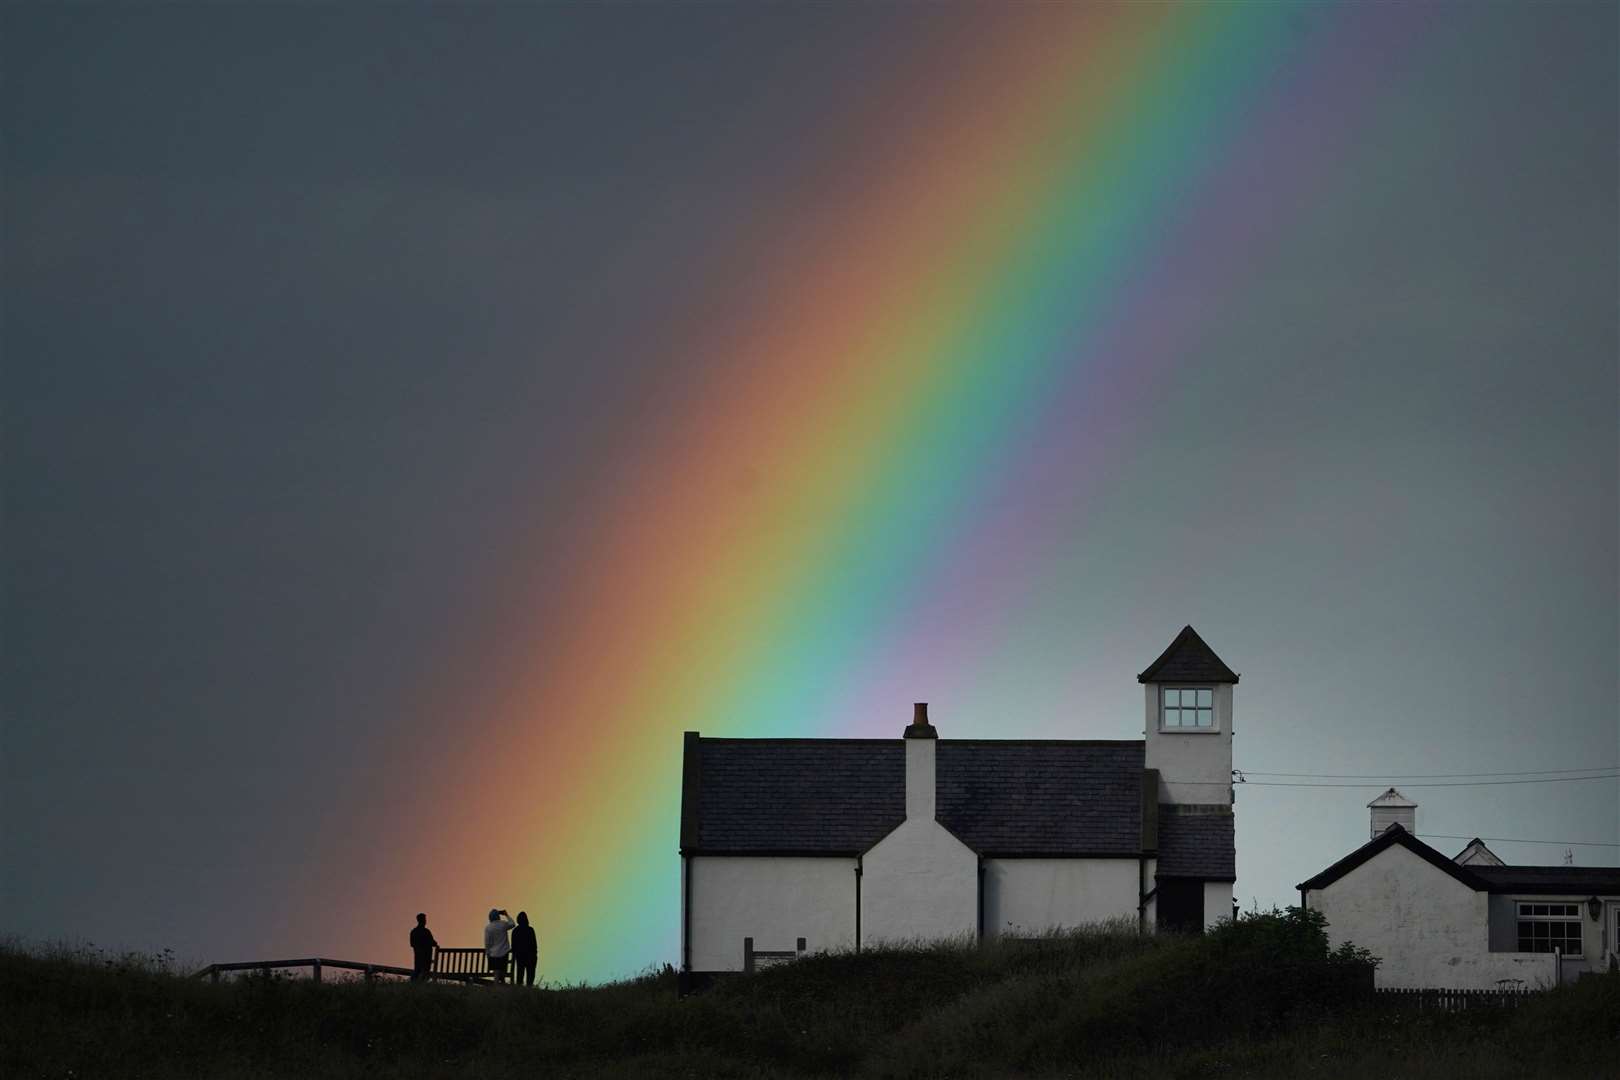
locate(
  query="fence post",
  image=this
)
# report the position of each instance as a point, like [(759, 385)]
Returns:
[(315, 970), (798, 946), (748, 956), (213, 974), (371, 974)]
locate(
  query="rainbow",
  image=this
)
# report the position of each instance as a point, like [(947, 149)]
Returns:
[(1055, 219)]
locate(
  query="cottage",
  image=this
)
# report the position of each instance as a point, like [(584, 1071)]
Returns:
[(1470, 922), (795, 845)]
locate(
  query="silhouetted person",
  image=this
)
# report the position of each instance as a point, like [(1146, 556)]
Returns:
[(525, 952), (496, 947), (422, 946)]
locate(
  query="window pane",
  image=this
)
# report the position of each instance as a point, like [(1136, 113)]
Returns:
[(1172, 718), (1206, 698), (1172, 698), (1205, 718)]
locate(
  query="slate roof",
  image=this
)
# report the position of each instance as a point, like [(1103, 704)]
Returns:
[(1041, 797), (1188, 660), (1395, 834), (1196, 845), (840, 796), (807, 796), (1545, 880)]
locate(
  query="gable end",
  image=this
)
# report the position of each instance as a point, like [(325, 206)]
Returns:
[(1395, 834)]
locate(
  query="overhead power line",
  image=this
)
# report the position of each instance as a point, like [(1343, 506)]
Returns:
[(1442, 783), (1517, 840), (1428, 776)]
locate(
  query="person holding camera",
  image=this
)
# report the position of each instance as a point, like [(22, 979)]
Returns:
[(496, 946)]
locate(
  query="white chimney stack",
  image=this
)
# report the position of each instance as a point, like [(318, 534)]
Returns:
[(1393, 808), (921, 738)]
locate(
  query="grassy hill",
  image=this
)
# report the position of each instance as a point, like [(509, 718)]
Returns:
[(1262, 997)]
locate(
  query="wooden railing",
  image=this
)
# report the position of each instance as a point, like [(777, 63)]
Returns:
[(316, 964), (1452, 1000), (457, 965), (754, 959)]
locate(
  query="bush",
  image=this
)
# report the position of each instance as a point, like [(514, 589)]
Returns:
[(1261, 996)]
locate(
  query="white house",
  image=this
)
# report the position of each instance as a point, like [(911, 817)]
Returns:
[(1469, 922), (795, 845)]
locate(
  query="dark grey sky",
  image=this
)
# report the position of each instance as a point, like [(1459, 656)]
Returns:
[(320, 324)]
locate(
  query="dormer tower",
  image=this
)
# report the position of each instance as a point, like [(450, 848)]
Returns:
[(1188, 723)]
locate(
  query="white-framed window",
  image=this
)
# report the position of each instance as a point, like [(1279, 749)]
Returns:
[(1187, 708), (1545, 927)]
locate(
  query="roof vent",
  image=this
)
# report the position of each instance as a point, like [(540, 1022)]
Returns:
[(1393, 808)]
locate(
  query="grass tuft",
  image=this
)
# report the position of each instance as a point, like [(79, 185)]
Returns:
[(1259, 997)]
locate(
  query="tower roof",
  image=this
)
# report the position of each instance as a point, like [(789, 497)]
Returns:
[(1188, 659), (1392, 798)]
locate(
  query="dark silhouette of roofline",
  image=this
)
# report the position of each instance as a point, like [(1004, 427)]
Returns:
[(1498, 880), (774, 853), (1188, 638), (1556, 880), (1395, 834), (790, 741), (896, 740), (852, 853)]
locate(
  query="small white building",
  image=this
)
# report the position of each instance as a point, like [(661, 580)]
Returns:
[(805, 845), (1466, 923)]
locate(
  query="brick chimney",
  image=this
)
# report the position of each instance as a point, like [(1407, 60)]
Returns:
[(921, 739)]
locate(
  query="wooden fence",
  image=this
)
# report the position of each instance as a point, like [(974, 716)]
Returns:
[(316, 965), (469, 965), (1428, 1000), (755, 959)]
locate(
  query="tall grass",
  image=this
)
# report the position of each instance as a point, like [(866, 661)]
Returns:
[(1262, 997)]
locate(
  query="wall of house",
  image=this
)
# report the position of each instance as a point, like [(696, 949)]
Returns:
[(1217, 902), (1194, 767), (919, 883), (1024, 897), (1150, 910), (772, 900), (1427, 928), (1504, 928)]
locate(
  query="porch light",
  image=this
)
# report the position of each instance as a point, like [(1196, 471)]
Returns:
[(1593, 906)]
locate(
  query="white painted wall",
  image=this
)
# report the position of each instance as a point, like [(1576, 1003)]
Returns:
[(1427, 928), (772, 900), (1150, 912), (919, 883), (1194, 766), (1217, 902), (1504, 916), (1027, 896), (920, 797), (1476, 854)]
